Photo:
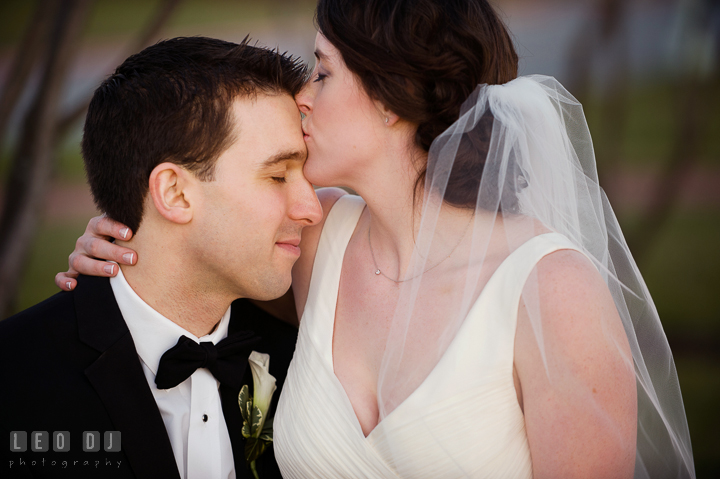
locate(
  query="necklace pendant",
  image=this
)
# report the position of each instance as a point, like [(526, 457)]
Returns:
[(377, 272)]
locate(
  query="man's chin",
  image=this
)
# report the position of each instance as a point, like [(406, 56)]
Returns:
[(273, 290)]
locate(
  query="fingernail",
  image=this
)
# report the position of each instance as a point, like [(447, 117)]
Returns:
[(128, 257), (69, 285), (124, 232), (109, 268)]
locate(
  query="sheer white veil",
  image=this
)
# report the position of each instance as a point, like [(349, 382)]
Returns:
[(519, 162)]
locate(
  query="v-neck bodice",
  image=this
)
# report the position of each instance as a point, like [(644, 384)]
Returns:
[(477, 432)]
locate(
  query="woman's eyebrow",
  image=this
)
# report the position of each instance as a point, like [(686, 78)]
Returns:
[(320, 55)]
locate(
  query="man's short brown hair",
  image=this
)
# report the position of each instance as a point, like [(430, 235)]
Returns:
[(172, 102)]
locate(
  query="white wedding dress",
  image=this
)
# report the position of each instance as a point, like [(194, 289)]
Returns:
[(478, 432)]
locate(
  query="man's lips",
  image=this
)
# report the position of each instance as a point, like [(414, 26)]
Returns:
[(290, 245)]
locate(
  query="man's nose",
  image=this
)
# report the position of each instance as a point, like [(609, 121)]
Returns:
[(305, 207)]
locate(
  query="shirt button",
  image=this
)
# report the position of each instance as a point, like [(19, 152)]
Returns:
[(205, 417)]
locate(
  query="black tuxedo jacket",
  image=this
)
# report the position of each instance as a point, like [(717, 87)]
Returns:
[(70, 364)]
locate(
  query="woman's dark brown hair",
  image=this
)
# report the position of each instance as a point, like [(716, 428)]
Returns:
[(422, 59)]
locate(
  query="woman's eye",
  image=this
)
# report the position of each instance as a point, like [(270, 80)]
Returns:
[(320, 77), (279, 179)]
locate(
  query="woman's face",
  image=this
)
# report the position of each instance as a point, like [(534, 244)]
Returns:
[(342, 125)]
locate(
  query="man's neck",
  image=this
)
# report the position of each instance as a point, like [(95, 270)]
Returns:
[(173, 290)]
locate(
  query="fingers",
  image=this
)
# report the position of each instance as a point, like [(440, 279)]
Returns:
[(100, 248), (66, 281), (104, 226), (90, 266)]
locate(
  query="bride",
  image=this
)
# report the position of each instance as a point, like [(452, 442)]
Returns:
[(475, 311)]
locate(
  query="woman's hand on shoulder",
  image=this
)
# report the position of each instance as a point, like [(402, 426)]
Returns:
[(578, 392), (93, 250), (308, 247)]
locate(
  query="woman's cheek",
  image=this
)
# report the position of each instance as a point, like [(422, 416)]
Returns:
[(313, 169)]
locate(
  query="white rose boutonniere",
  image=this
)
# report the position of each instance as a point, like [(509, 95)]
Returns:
[(257, 427)]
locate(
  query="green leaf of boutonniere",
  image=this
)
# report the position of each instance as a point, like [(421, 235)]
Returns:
[(246, 430), (254, 447), (243, 399), (267, 431), (257, 427), (256, 420)]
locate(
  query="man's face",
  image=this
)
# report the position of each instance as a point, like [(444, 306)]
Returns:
[(250, 217)]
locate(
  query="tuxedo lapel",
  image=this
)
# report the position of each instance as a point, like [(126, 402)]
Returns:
[(231, 408), (278, 340), (118, 379), (234, 422)]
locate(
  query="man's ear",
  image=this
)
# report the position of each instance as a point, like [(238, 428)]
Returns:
[(169, 186)]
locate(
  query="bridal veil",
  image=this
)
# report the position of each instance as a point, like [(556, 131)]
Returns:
[(519, 162)]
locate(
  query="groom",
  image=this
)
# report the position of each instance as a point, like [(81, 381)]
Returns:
[(196, 145)]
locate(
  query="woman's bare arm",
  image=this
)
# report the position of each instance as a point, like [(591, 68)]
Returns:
[(581, 409)]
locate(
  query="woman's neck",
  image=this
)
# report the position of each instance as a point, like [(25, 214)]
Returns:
[(387, 186)]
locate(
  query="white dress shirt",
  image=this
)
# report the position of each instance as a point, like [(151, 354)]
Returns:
[(191, 411)]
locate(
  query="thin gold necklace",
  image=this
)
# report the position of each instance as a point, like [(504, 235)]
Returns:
[(378, 271)]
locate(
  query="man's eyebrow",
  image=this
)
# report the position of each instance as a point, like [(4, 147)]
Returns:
[(287, 155)]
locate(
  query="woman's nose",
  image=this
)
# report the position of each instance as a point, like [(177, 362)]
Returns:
[(304, 100)]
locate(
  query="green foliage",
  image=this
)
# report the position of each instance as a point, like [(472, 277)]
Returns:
[(254, 447), (110, 18), (700, 384), (652, 124), (49, 255), (257, 441), (682, 272)]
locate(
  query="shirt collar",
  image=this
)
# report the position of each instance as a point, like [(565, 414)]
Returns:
[(153, 333)]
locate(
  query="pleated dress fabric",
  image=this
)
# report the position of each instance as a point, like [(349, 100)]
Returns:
[(476, 432)]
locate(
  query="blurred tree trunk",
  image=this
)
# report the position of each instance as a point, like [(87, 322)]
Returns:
[(50, 44), (694, 85), (603, 37), (689, 107), (32, 47), (32, 161), (151, 31)]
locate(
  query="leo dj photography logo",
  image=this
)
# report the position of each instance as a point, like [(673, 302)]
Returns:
[(59, 441)]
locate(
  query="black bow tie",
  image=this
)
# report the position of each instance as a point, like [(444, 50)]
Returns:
[(226, 360)]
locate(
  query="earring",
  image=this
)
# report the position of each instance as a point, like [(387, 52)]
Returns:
[(386, 120)]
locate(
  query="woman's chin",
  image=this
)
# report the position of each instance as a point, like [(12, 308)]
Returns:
[(316, 174)]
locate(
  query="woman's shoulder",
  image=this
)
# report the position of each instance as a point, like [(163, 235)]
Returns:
[(574, 310), (567, 278), (308, 247)]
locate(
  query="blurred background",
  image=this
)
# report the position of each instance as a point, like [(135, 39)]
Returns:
[(646, 72)]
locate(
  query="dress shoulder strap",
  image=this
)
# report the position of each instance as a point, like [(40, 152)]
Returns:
[(325, 279), (497, 306)]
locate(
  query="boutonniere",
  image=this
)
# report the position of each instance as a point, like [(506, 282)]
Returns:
[(257, 427)]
